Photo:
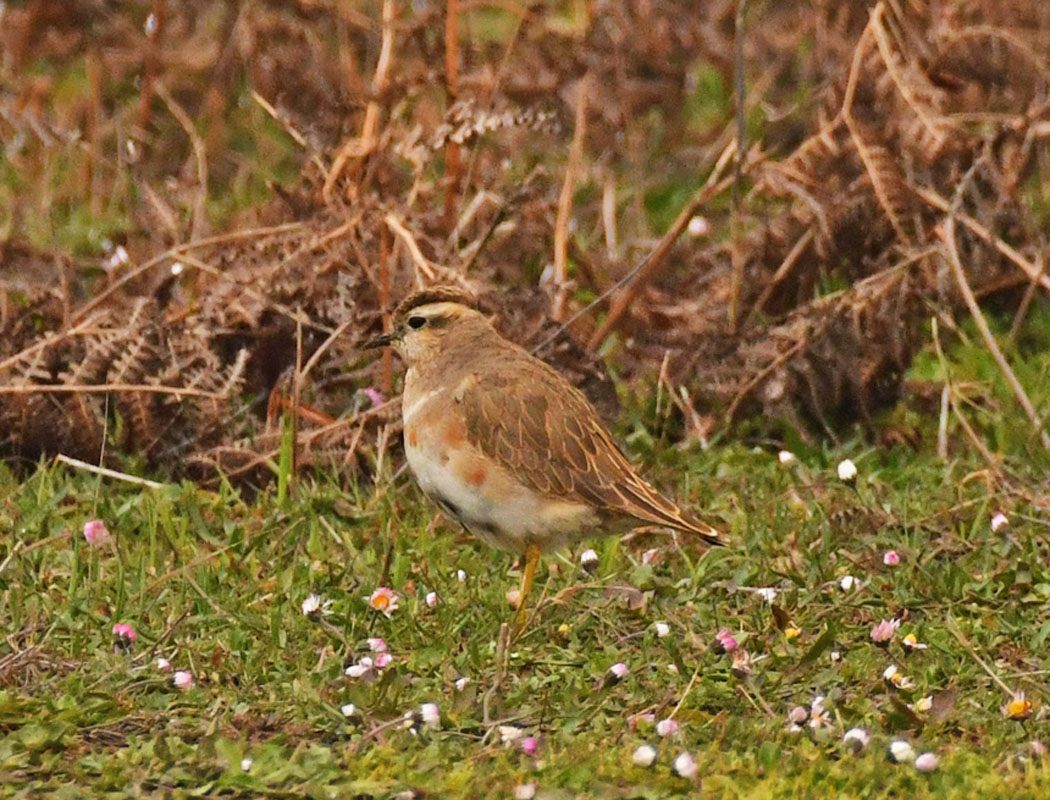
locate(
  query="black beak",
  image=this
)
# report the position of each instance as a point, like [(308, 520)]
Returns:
[(380, 341)]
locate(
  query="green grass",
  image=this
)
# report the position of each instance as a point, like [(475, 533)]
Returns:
[(215, 584)]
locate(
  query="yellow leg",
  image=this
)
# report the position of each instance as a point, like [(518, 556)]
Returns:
[(532, 560)]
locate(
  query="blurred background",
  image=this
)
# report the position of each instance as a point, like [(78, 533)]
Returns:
[(781, 215)]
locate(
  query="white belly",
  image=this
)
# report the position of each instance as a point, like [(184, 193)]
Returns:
[(483, 496), (499, 511), (438, 480)]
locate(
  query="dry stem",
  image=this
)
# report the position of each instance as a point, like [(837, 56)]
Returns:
[(561, 227), (655, 260), (453, 160), (947, 235), (423, 264), (199, 220), (359, 147)]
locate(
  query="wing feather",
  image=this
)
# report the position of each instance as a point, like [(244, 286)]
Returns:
[(535, 424)]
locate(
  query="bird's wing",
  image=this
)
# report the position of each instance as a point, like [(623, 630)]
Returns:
[(539, 427)]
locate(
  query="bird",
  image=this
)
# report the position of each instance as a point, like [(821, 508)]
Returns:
[(502, 443)]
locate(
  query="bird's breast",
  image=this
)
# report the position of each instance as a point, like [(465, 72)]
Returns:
[(478, 491)]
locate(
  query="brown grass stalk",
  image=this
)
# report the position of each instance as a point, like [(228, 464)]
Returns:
[(422, 263), (174, 253), (387, 369), (740, 98), (979, 230), (199, 219), (453, 156), (568, 188), (104, 388), (788, 264), (947, 235), (152, 62), (714, 185), (358, 148)]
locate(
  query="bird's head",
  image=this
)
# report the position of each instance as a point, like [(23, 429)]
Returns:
[(427, 321)]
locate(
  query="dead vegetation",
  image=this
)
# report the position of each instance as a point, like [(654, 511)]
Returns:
[(517, 153)]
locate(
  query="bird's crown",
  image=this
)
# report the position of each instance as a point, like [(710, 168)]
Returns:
[(436, 294)]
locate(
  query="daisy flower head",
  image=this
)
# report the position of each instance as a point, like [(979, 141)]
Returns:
[(367, 668), (847, 471), (891, 558), (375, 397), (246, 764), (1018, 707), (927, 762), (742, 665), (786, 457), (999, 521), (316, 606), (882, 633), (377, 645), (182, 680), (124, 635), (644, 755), (662, 629), (96, 533), (530, 745), (698, 226), (430, 715), (348, 710), (685, 766), (922, 705), (767, 593), (911, 643), (897, 679), (589, 560), (725, 642), (163, 664), (617, 672), (798, 716), (819, 717), (667, 727), (856, 739), (509, 734), (432, 599), (900, 751), (384, 600)]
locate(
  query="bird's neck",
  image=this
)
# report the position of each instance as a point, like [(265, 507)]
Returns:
[(459, 355)]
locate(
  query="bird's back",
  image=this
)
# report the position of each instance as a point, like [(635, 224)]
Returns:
[(526, 417)]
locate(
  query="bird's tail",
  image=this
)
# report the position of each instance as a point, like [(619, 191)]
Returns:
[(704, 531)]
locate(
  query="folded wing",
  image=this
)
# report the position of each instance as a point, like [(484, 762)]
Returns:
[(550, 437)]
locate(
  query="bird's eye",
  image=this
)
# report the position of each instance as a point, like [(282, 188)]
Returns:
[(415, 323)]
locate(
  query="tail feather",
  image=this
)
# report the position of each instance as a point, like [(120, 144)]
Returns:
[(652, 506)]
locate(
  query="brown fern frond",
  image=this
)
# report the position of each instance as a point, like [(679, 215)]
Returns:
[(887, 182)]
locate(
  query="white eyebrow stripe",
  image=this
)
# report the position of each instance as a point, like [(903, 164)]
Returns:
[(413, 409)]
